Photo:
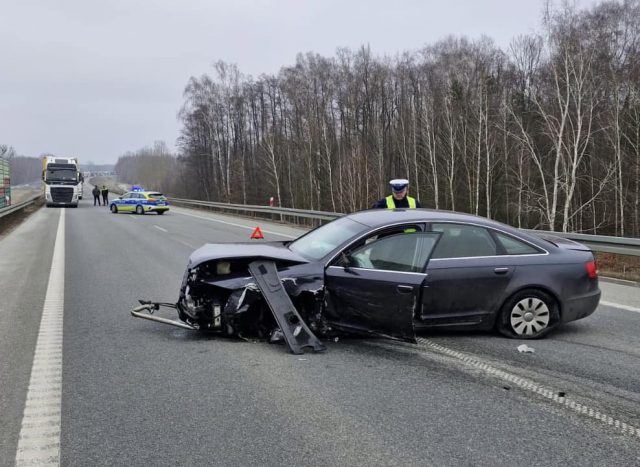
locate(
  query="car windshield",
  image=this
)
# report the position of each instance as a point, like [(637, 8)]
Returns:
[(317, 243)]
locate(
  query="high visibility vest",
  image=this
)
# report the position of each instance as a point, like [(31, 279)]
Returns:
[(392, 205)]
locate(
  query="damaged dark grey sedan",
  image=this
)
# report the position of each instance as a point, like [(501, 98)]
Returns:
[(389, 273)]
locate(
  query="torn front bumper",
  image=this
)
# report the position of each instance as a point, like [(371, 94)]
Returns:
[(268, 286), (146, 310)]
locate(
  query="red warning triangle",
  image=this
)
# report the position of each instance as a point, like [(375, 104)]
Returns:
[(257, 233)]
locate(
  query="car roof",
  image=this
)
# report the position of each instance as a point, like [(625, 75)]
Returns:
[(146, 192), (381, 217)]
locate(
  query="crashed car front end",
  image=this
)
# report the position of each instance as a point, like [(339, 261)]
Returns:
[(253, 291)]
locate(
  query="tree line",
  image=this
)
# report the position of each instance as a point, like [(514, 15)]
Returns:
[(545, 134), (23, 169)]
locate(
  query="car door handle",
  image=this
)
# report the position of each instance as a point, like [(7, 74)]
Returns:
[(501, 270), (404, 288)]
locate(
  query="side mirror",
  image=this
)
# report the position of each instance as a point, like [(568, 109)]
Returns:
[(119, 197), (346, 261)]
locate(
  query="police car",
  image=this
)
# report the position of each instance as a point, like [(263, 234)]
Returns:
[(140, 202)]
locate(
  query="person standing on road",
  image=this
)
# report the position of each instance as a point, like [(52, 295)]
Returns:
[(105, 195), (398, 197), (96, 195)]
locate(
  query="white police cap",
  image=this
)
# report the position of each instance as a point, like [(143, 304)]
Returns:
[(399, 184)]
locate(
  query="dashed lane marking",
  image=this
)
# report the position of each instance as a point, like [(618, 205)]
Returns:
[(236, 225), (39, 439), (185, 244), (160, 228)]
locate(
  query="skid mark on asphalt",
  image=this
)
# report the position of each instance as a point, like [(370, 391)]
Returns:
[(549, 393), (39, 439)]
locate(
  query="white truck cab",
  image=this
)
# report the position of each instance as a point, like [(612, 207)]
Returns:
[(63, 182)]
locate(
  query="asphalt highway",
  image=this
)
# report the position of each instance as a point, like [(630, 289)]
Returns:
[(134, 392)]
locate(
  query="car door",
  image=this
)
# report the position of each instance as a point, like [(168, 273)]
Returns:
[(375, 288), (123, 202), (467, 276), (135, 200), (132, 201)]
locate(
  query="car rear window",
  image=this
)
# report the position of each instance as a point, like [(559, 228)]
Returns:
[(463, 241), (156, 195), (516, 247)]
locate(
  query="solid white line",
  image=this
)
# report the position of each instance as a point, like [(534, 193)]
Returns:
[(622, 307), (160, 228), (39, 439), (236, 225)]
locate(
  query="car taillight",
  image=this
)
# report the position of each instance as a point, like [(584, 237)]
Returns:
[(153, 200), (592, 269)]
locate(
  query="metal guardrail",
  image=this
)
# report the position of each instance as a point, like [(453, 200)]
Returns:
[(303, 213), (18, 207), (601, 243)]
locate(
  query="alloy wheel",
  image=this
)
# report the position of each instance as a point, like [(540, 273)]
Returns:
[(529, 316)]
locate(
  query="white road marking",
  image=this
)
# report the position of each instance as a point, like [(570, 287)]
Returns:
[(532, 386), (622, 307), (236, 225), (39, 440), (185, 243), (133, 217), (160, 228)]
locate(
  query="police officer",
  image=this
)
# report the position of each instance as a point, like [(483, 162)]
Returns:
[(96, 195), (105, 195), (398, 197)]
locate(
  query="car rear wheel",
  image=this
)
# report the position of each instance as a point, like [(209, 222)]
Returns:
[(529, 314), (160, 212), (114, 209), (139, 209)]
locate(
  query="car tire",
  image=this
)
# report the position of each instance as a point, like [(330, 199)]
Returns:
[(160, 212), (139, 209), (114, 209), (528, 314)]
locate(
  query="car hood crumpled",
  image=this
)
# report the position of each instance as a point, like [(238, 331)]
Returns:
[(276, 251)]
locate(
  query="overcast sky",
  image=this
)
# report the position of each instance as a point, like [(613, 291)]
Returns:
[(98, 78)]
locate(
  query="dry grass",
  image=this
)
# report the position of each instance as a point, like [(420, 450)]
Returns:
[(619, 266), (18, 195)]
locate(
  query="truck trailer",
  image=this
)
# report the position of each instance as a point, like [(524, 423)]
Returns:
[(63, 181), (5, 183)]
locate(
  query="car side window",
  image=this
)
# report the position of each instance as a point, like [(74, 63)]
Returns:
[(126, 196), (406, 252), (463, 241), (514, 246), (395, 230), (387, 232)]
